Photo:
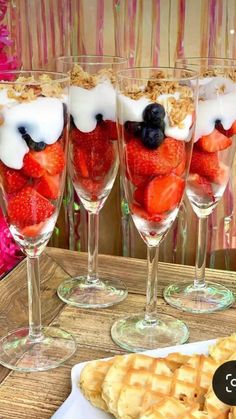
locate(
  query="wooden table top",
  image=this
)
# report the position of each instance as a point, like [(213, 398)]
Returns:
[(39, 395)]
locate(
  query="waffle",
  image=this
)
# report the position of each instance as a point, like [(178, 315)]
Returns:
[(224, 348), (133, 371), (141, 389), (171, 408), (232, 414), (91, 379), (215, 408)]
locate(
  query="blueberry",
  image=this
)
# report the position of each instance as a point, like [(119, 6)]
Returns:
[(217, 123), (39, 146), (99, 117), (30, 142), (152, 137), (22, 130), (134, 128), (153, 114)]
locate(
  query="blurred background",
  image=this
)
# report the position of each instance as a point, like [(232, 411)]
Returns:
[(147, 32)]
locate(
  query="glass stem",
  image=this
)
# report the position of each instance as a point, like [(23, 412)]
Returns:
[(151, 295), (35, 329), (200, 265), (93, 225)]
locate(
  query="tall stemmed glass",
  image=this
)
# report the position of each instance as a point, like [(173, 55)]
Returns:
[(156, 112), (212, 159), (93, 165), (33, 149)]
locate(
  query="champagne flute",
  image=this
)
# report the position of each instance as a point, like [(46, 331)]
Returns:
[(93, 165), (212, 159), (33, 149), (156, 115)]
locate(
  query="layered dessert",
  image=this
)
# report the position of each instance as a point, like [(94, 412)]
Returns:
[(214, 147), (93, 134), (33, 125), (156, 124)]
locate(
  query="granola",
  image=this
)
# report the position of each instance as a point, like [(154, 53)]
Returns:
[(26, 89), (82, 78), (177, 110)]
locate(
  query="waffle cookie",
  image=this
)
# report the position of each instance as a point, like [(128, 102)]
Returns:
[(134, 372), (224, 348), (172, 408), (215, 408), (141, 389), (91, 379)]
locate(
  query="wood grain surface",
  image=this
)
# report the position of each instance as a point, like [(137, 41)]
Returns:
[(39, 395)]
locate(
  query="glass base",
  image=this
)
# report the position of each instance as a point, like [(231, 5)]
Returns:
[(79, 292), (134, 334), (186, 297), (20, 353)]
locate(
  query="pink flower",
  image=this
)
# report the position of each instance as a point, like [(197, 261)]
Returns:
[(4, 37)]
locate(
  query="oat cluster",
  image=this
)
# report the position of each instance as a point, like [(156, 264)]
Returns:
[(27, 89), (218, 71), (176, 108), (82, 78)]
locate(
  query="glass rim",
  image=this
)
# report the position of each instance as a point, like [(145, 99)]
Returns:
[(76, 59), (199, 60), (121, 75), (62, 77)]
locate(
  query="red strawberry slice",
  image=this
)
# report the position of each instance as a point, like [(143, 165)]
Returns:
[(137, 180), (145, 162), (49, 186), (139, 193), (203, 163), (31, 167), (51, 160), (200, 185), (88, 139), (94, 161), (221, 175), (180, 169), (163, 194), (12, 180), (232, 130), (32, 231), (215, 141), (28, 207), (112, 130), (140, 212)]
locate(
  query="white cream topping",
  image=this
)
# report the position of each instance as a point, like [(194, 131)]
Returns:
[(43, 120), (216, 106), (85, 104), (132, 110)]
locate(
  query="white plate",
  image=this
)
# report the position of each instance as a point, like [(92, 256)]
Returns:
[(77, 407)]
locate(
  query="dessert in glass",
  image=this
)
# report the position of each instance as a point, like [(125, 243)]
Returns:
[(33, 148), (93, 165), (212, 159), (156, 117)]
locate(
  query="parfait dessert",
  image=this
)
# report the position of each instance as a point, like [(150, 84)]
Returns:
[(212, 159), (33, 149), (156, 118), (32, 156), (93, 165)]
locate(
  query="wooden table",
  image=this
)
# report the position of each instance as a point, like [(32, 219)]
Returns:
[(38, 395)]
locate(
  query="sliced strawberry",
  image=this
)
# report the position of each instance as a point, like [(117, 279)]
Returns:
[(49, 186), (112, 130), (215, 141), (80, 162), (203, 163), (88, 139), (94, 161), (12, 180), (94, 188), (200, 185), (139, 193), (180, 169), (221, 175), (142, 213), (31, 167), (163, 194), (28, 207), (51, 160), (145, 162), (137, 180), (232, 130), (33, 230)]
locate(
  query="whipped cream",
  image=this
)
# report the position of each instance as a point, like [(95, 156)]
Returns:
[(43, 120), (216, 106), (85, 104), (132, 110)]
